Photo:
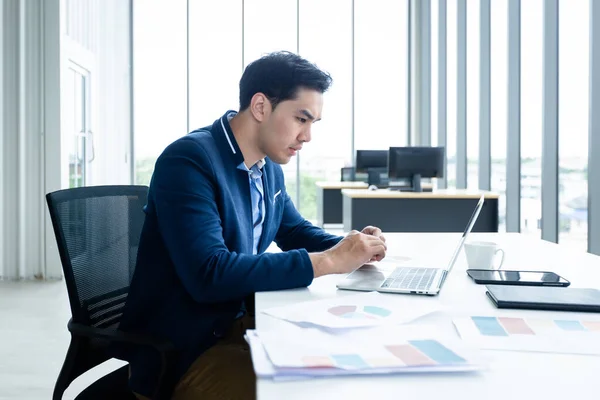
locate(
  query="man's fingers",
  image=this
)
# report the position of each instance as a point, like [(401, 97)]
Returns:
[(372, 230), (375, 231), (375, 241), (378, 252), (378, 257), (367, 229)]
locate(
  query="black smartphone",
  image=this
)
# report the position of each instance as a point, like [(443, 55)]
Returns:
[(523, 278)]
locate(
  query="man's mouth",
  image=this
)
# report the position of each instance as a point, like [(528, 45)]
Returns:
[(293, 150)]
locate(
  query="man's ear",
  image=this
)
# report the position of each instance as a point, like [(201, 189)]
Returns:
[(260, 107)]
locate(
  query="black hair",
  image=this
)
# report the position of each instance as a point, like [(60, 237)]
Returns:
[(278, 76)]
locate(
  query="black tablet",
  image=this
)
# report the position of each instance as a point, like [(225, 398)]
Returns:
[(544, 298), (522, 278)]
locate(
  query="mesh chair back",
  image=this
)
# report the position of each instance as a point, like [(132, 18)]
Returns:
[(97, 231)]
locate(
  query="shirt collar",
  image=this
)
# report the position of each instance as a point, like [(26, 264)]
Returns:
[(235, 149)]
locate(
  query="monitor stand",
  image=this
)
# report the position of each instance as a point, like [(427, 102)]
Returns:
[(376, 178), (415, 186), (416, 183)]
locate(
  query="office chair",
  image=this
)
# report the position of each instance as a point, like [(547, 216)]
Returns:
[(97, 231)]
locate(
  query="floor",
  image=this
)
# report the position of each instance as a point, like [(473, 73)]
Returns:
[(34, 340)]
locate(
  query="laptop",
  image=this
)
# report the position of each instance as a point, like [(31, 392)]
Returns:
[(407, 279)]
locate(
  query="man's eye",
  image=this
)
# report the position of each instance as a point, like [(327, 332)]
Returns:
[(302, 120)]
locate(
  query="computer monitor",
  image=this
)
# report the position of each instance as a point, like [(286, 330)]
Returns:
[(415, 163), (368, 159), (347, 174)]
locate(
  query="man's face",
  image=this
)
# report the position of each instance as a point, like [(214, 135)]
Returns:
[(285, 129)]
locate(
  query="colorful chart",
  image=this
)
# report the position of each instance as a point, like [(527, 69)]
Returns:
[(560, 335), (414, 353), (359, 312), (508, 326), (368, 309)]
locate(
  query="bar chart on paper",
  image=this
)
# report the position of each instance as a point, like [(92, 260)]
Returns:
[(312, 352), (412, 353), (561, 335)]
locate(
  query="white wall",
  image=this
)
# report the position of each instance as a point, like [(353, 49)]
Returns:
[(33, 47), (10, 129), (21, 211), (2, 118)]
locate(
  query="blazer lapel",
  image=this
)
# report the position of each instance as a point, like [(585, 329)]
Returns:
[(243, 186), (268, 201)]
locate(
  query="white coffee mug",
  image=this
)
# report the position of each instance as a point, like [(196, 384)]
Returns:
[(482, 255)]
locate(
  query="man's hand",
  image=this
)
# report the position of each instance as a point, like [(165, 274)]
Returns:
[(374, 231), (350, 253)]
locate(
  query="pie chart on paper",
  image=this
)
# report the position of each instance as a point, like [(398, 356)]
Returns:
[(360, 312)]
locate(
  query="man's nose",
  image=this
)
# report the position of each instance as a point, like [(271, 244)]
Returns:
[(305, 136)]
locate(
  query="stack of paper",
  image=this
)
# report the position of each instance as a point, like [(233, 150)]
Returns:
[(294, 352)]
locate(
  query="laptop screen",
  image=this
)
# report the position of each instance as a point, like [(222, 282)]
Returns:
[(472, 221)]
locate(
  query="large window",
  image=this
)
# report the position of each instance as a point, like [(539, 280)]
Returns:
[(215, 65), (573, 120), (326, 39), (368, 102), (271, 25), (451, 91), (499, 103), (380, 74), (434, 72), (160, 84), (187, 76), (532, 12), (473, 65)]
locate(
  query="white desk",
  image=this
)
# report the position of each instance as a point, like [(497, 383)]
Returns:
[(511, 375)]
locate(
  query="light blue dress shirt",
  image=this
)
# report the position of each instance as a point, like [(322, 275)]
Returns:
[(256, 194), (257, 198)]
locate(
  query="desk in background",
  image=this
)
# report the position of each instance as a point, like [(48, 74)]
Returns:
[(511, 374), (438, 211), (329, 200)]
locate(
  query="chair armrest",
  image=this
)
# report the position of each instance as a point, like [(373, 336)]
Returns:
[(120, 336), (165, 348)]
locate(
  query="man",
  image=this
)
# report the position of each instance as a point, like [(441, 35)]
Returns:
[(216, 201)]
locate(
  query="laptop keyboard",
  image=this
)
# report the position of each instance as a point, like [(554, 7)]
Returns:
[(410, 278)]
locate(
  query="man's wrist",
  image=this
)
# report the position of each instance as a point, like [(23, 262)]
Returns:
[(321, 263)]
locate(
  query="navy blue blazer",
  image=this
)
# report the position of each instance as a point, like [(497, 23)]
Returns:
[(195, 264)]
